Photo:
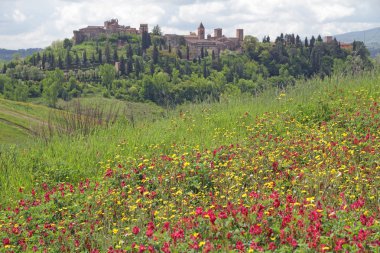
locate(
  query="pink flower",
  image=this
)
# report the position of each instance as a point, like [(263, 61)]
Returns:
[(135, 230)]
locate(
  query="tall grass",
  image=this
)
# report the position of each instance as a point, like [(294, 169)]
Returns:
[(72, 158)]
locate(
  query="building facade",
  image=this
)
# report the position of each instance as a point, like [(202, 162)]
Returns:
[(110, 27)]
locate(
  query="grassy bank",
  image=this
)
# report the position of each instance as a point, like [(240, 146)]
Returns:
[(206, 126)]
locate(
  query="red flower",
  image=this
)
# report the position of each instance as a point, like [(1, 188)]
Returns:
[(142, 248), (239, 245), (108, 173), (135, 230), (199, 211), (255, 230), (272, 246), (6, 241), (149, 232), (339, 244), (222, 215)]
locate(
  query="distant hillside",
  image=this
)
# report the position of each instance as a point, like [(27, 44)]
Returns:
[(370, 37), (7, 55)]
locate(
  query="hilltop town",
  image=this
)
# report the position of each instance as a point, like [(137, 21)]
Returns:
[(196, 42)]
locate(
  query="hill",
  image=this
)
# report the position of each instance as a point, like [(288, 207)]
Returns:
[(7, 55), (370, 37), (240, 175)]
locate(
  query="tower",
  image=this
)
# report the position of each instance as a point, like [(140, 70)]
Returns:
[(218, 33), (201, 32), (143, 28), (240, 34)]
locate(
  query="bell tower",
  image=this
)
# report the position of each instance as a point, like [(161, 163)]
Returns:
[(201, 32)]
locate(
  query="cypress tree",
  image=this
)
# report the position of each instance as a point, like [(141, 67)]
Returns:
[(155, 55), (107, 53), (44, 59), (179, 53), (84, 58), (122, 65), (129, 51), (100, 60), (137, 68), (115, 56)]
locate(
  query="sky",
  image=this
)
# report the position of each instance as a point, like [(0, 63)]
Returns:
[(37, 23)]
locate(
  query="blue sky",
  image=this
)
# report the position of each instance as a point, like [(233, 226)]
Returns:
[(37, 23)]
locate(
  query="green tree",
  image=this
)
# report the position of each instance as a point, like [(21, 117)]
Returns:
[(84, 58), (129, 51), (115, 55), (145, 41), (249, 46), (107, 74), (107, 53), (179, 53), (122, 66), (67, 43), (100, 56), (187, 53), (157, 30), (53, 83), (68, 59), (155, 55)]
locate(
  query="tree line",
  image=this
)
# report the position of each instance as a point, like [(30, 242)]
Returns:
[(146, 67)]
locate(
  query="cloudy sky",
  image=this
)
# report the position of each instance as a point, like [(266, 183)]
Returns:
[(36, 23)]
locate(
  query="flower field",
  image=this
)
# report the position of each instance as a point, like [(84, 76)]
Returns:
[(288, 185)]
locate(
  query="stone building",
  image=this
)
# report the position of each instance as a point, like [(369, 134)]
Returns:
[(197, 42), (110, 27)]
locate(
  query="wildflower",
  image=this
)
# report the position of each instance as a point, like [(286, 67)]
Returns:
[(222, 215), (255, 229), (239, 246), (6, 242), (135, 230)]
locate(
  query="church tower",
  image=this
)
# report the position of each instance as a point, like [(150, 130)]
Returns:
[(201, 32)]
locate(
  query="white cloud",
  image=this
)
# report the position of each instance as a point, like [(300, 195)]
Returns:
[(37, 38), (49, 20), (18, 16)]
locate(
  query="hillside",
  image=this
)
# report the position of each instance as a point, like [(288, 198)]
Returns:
[(148, 67), (371, 38), (7, 55), (244, 174), (22, 122)]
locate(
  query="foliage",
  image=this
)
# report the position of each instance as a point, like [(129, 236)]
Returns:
[(107, 73), (139, 57)]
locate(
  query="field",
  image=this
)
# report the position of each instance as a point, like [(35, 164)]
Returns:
[(21, 122), (288, 171)]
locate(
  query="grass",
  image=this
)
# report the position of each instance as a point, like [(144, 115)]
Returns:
[(241, 175), (12, 134), (21, 121), (204, 125)]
